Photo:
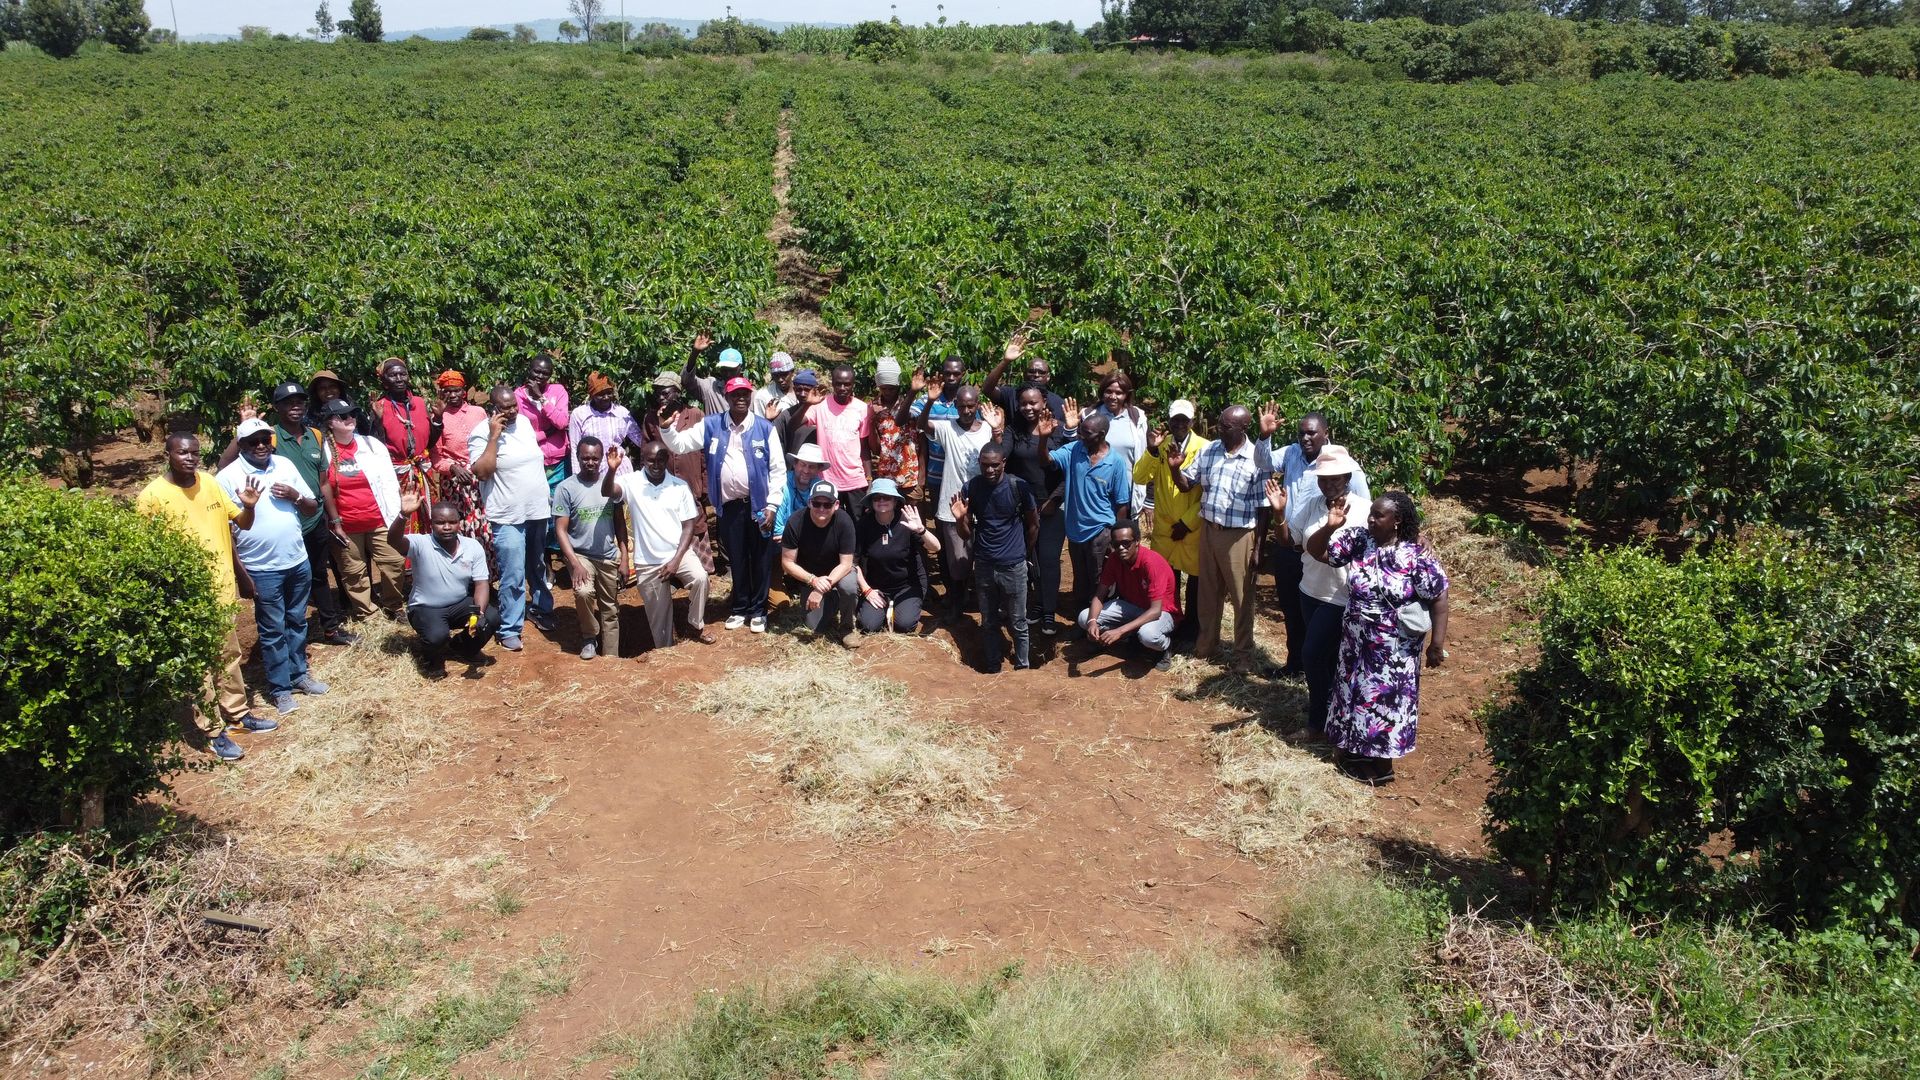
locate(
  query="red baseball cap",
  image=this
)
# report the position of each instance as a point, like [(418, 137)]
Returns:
[(738, 382)]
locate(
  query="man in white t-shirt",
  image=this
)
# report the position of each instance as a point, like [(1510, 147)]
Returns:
[(513, 488), (272, 556), (449, 606), (961, 439), (663, 514)]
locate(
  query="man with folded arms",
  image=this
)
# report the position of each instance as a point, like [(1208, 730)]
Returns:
[(658, 544)]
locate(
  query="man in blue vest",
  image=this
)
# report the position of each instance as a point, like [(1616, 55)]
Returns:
[(746, 480)]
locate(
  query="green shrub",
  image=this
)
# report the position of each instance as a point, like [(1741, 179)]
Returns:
[(1513, 47), (1764, 699), (1414, 48), (108, 620), (1876, 52), (1691, 53)]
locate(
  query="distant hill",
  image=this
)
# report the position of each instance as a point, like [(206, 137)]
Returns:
[(548, 29)]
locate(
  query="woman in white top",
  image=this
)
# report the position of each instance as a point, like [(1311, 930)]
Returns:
[(1323, 588), (361, 491)]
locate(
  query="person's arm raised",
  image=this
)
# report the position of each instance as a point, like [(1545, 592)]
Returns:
[(397, 529), (1016, 346), (1336, 520)]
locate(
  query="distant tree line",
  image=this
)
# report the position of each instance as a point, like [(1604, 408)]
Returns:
[(1425, 40)]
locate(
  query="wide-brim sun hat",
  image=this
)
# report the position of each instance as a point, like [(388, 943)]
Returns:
[(809, 453), (1335, 461), (884, 487)]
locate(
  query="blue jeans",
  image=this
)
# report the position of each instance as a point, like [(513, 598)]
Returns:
[(1321, 623), (280, 614), (1002, 590), (510, 549), (539, 587), (1156, 635)]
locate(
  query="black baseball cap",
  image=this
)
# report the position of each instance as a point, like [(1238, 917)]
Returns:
[(337, 407), (285, 390)]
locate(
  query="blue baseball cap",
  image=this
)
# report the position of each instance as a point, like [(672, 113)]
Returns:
[(729, 358)]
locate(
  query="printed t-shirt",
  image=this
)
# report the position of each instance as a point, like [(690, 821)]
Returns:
[(1147, 580), (589, 517), (841, 431), (275, 542), (656, 514), (440, 579), (207, 512), (890, 558), (818, 547), (352, 493), (999, 513)]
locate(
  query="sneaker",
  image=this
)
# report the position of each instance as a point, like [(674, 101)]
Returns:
[(339, 636), (225, 749), (852, 639), (758, 624), (1049, 628), (284, 703), (511, 642), (590, 650), (257, 725), (1165, 661), (543, 623), (307, 684), (735, 622)]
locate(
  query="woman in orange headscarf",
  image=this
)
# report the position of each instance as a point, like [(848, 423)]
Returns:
[(452, 473)]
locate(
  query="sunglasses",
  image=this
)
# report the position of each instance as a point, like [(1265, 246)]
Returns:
[(257, 440), (1126, 543), (824, 504)]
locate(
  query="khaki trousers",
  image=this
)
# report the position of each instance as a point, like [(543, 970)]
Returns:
[(1226, 577), (597, 600), (370, 570), (656, 592), (227, 687)]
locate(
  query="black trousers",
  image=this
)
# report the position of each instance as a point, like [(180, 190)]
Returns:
[(444, 629), (326, 597), (1286, 582)]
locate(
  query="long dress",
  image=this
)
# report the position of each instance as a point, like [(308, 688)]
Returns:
[(1376, 691)]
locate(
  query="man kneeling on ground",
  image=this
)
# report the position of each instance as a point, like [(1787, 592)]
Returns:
[(449, 607), (1145, 600)]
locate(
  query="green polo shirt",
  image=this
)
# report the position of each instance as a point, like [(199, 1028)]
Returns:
[(309, 458)]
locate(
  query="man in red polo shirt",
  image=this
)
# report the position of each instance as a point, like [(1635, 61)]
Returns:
[(1144, 599)]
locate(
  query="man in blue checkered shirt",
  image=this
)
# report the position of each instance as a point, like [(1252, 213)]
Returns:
[(1232, 475)]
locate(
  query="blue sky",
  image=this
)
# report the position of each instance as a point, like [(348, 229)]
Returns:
[(295, 16)]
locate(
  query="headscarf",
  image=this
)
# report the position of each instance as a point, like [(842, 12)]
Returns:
[(598, 383), (451, 378)]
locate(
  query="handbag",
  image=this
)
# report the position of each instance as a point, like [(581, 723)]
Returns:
[(1415, 619)]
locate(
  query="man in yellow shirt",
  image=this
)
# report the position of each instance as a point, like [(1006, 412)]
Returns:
[(194, 500), (1176, 513)]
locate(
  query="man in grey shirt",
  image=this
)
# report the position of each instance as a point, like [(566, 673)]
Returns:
[(589, 525), (450, 606)]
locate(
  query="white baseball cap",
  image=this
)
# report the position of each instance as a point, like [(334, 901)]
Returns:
[(252, 426), (1182, 407), (780, 362)]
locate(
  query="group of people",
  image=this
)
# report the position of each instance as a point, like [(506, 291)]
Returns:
[(854, 505)]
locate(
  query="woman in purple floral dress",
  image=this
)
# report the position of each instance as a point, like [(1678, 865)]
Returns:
[(1376, 693)]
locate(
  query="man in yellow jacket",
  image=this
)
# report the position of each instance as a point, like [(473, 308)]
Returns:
[(1176, 513)]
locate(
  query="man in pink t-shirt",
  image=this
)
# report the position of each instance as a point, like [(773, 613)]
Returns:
[(842, 425)]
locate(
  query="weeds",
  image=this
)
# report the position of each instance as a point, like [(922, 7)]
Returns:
[(428, 1042)]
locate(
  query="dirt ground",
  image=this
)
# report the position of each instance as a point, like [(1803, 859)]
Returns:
[(644, 834)]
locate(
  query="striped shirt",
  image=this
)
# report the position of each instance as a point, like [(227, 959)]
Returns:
[(1233, 482), (613, 428)]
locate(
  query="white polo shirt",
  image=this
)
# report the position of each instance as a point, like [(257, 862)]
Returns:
[(657, 513), (275, 542)]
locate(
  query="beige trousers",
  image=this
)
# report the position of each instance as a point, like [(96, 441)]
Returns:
[(656, 592), (370, 571), (1226, 577), (227, 687), (597, 599)]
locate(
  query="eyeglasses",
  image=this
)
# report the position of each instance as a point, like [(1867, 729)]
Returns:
[(258, 440)]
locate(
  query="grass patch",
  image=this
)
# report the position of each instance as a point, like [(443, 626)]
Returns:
[(1200, 1013), (1279, 801), (1821, 1005), (428, 1041), (351, 752), (1494, 567), (850, 746)]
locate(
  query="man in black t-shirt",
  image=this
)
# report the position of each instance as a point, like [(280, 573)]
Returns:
[(998, 516), (817, 550)]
